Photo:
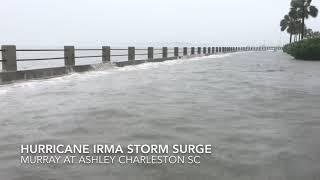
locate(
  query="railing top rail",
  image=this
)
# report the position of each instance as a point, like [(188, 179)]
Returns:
[(118, 49), (40, 50), (80, 57), (88, 49)]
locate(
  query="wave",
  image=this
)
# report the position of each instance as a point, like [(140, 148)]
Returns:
[(99, 70)]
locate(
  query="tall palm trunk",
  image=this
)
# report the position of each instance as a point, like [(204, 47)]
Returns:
[(290, 38), (302, 34)]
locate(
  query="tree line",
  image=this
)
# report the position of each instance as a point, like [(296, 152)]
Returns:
[(294, 21)]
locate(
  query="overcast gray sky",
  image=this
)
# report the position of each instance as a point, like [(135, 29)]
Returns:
[(97, 22)]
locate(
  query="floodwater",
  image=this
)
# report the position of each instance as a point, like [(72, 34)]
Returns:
[(259, 110)]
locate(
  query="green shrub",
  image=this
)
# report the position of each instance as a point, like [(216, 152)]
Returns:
[(308, 49)]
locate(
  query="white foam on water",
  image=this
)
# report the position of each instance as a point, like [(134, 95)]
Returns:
[(45, 83), (151, 65), (3, 92)]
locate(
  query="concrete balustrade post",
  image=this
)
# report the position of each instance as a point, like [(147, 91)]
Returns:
[(192, 50), (9, 57), (106, 54), (204, 50), (150, 53), (131, 53), (185, 51), (165, 52), (176, 51), (69, 56)]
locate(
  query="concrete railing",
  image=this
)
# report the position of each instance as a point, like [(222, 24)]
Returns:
[(9, 58)]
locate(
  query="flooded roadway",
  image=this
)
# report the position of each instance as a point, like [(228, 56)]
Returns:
[(260, 111)]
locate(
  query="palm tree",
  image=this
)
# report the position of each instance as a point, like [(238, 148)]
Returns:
[(295, 15), (288, 23), (304, 10), (315, 34), (312, 34), (308, 33)]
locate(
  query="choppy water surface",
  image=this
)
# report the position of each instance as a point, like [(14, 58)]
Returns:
[(260, 110)]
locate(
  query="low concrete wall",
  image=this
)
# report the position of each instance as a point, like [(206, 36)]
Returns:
[(136, 62), (11, 76)]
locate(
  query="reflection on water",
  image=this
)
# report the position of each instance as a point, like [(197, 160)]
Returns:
[(260, 110)]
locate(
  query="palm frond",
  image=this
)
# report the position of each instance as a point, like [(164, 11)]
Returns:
[(313, 11)]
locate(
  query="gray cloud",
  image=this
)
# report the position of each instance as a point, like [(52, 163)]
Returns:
[(96, 22)]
